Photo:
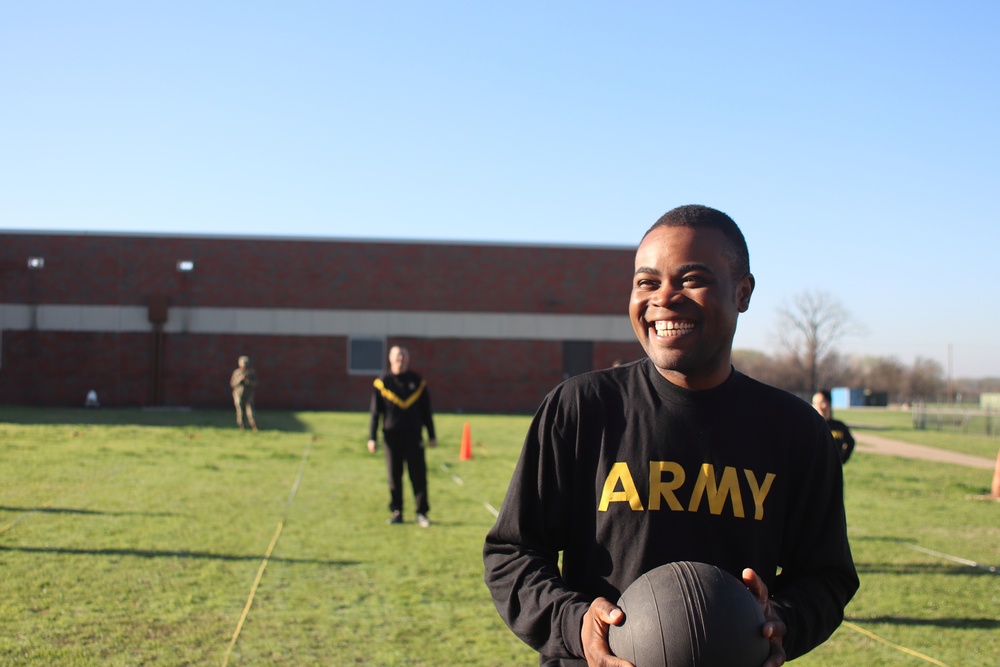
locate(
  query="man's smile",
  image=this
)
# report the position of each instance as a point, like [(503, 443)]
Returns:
[(672, 328)]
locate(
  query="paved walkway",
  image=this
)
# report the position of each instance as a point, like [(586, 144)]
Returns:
[(866, 442)]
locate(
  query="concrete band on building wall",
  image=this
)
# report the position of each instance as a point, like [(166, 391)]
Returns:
[(316, 322)]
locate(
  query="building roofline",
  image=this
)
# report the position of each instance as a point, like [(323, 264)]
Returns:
[(316, 239)]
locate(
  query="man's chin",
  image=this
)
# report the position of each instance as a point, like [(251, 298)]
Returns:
[(667, 361)]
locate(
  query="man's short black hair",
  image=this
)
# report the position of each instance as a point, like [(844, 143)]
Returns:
[(703, 217)]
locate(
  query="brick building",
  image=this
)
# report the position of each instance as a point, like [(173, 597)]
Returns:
[(156, 320)]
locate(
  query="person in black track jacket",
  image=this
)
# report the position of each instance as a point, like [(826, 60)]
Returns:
[(823, 402), (674, 457), (401, 400)]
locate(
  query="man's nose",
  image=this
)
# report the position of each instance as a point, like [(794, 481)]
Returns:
[(666, 295)]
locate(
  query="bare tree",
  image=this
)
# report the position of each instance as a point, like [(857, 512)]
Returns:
[(834, 370), (881, 374), (926, 380), (809, 327), (775, 371)]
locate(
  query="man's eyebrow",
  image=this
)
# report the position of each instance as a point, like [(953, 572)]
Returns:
[(683, 268), (694, 266)]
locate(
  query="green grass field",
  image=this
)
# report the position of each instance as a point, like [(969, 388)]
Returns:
[(136, 538)]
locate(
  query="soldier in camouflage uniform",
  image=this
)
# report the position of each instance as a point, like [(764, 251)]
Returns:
[(244, 383)]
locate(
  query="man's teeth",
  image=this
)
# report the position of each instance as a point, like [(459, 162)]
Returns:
[(665, 328)]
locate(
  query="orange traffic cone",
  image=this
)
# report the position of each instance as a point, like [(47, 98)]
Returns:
[(466, 452)]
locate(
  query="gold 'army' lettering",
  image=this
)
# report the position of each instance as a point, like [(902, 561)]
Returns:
[(706, 485)]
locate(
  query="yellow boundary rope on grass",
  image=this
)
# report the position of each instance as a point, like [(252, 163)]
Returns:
[(908, 651), (267, 557), (253, 592)]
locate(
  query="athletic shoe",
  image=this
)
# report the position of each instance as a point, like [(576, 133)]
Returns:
[(397, 517), (423, 521)]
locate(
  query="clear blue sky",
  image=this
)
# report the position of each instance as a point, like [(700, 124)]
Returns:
[(857, 144)]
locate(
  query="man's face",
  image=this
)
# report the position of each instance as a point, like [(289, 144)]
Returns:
[(685, 303), (398, 360), (822, 405)]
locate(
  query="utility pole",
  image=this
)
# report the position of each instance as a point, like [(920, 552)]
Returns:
[(949, 375)]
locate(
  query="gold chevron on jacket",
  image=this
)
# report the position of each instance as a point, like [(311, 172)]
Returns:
[(391, 396)]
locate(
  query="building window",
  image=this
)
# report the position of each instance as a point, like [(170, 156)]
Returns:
[(578, 357), (365, 356)]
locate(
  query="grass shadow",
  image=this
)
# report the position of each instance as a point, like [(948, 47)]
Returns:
[(267, 421), (880, 538), (922, 569), (178, 553), (67, 510), (955, 623)]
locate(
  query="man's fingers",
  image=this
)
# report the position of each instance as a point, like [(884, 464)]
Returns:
[(755, 584), (774, 629), (594, 633), (607, 612)]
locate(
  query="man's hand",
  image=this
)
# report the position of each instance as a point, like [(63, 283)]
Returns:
[(372, 446), (774, 628), (594, 634), (433, 442)]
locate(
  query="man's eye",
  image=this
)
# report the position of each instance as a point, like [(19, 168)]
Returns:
[(647, 284), (693, 281)]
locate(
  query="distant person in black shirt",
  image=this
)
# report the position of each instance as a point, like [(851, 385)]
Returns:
[(841, 434), (401, 398)]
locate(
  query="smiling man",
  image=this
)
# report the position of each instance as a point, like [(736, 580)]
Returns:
[(674, 457), (690, 285)]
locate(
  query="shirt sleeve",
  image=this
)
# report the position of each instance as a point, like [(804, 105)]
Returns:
[(427, 414), (818, 577), (849, 441), (375, 409), (522, 549)]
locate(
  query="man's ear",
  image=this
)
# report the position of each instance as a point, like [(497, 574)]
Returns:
[(744, 290)]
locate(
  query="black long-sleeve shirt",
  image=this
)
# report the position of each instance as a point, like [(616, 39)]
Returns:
[(842, 437), (623, 471), (404, 404)]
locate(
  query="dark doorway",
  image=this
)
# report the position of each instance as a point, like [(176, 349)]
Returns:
[(578, 357)]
